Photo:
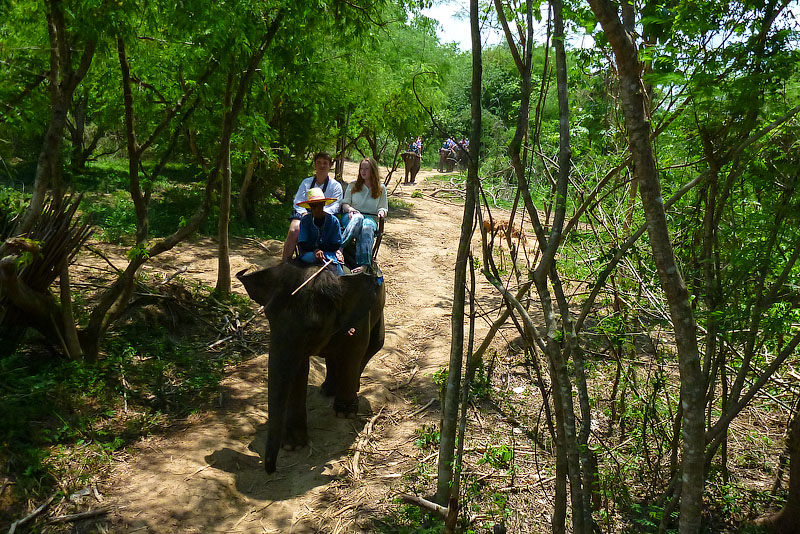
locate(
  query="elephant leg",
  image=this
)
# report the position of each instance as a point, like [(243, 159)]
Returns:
[(284, 377), (376, 340), (348, 373), (328, 387), (296, 426)]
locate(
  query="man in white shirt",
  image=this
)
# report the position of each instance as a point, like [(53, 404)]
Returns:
[(329, 186)]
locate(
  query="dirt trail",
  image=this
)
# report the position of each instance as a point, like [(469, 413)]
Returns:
[(207, 475)]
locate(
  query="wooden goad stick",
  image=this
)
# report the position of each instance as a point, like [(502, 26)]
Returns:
[(310, 278)]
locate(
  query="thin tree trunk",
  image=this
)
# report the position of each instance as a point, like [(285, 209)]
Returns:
[(63, 82), (787, 520), (469, 375), (692, 390), (223, 161), (241, 202), (77, 131), (450, 408), (224, 263), (134, 150), (577, 453), (74, 350), (561, 389)]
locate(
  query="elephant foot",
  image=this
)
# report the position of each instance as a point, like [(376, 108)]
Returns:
[(295, 439), (327, 389), (345, 409)]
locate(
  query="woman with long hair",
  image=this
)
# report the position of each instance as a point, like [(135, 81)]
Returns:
[(364, 202)]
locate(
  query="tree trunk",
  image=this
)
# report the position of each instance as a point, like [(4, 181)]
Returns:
[(63, 82), (81, 150), (134, 150), (223, 259), (73, 346), (247, 180), (450, 408), (580, 474), (787, 521), (692, 391), (77, 131), (341, 146)]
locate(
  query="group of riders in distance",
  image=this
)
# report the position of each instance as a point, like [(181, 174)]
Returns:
[(452, 153)]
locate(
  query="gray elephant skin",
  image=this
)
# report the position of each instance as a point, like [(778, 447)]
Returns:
[(337, 318), (448, 159), (412, 161)]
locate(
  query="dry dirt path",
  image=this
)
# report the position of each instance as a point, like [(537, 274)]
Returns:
[(206, 474)]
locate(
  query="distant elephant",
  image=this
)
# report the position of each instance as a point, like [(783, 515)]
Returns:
[(337, 318), (462, 158), (446, 163), (412, 162)]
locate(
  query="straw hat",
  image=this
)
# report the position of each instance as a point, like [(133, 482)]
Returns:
[(315, 194)]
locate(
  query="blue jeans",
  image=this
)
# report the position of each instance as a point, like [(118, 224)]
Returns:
[(362, 229)]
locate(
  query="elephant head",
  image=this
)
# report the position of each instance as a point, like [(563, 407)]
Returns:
[(338, 318)]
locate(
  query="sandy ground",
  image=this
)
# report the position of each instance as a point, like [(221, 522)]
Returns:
[(207, 474)]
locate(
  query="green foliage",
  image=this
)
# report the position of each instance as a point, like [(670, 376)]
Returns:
[(409, 519), (481, 386), (614, 328), (400, 204), (497, 456), (648, 518), (732, 503), (113, 215), (440, 377), (428, 436), (11, 205)]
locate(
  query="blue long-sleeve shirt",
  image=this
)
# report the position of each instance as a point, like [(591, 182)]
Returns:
[(327, 238)]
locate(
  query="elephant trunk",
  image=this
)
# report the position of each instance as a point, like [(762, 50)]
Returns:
[(277, 399)]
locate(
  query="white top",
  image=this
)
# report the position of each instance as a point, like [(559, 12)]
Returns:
[(333, 189), (363, 201)]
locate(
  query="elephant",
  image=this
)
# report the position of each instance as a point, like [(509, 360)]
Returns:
[(462, 157), (412, 162), (339, 318), (446, 161)]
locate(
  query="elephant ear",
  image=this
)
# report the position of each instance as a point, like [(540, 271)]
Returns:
[(260, 285), (360, 294)]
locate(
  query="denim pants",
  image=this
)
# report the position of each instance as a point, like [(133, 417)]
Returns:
[(362, 229)]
